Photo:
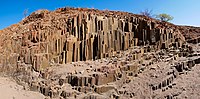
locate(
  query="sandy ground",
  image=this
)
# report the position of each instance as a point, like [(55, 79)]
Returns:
[(189, 84), (9, 89)]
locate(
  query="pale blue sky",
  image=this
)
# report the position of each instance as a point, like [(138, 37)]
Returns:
[(185, 12)]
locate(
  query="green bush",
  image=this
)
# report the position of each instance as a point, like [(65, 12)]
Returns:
[(164, 17)]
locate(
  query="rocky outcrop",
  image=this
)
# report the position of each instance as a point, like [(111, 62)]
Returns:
[(88, 53), (76, 34)]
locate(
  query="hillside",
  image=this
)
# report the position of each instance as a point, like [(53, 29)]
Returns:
[(190, 33)]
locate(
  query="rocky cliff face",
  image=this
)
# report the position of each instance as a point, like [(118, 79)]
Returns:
[(74, 34)]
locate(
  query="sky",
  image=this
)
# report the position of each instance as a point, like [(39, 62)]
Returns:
[(185, 12)]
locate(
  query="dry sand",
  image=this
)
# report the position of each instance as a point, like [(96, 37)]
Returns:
[(9, 89)]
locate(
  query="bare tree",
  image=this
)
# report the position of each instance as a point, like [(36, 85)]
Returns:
[(147, 12), (25, 13)]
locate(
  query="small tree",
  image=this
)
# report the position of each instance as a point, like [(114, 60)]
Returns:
[(147, 13), (164, 17)]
